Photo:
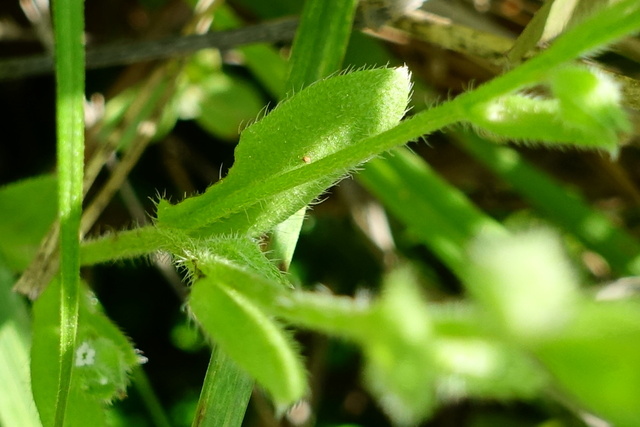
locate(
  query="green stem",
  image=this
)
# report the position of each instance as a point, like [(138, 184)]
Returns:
[(126, 244), (68, 20)]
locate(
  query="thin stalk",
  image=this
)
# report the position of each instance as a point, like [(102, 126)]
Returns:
[(68, 26)]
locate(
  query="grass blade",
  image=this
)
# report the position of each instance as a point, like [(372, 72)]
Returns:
[(69, 32), (224, 395)]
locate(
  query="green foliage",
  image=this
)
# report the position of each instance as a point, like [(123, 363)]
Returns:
[(524, 331), (255, 342)]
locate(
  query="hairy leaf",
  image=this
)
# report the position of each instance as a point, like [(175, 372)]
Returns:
[(317, 122)]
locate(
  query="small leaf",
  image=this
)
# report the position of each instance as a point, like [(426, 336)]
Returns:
[(590, 100), (104, 375), (585, 112), (253, 340)]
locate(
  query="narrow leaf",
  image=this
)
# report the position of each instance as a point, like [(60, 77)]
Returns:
[(567, 209), (225, 393)]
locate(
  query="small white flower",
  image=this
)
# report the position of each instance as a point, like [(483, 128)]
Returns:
[(85, 355)]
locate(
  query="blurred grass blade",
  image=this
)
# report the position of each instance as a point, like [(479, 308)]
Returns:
[(16, 401), (561, 206), (438, 214), (224, 395), (321, 40)]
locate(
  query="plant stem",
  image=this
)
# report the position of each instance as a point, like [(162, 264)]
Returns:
[(68, 20), (125, 244)]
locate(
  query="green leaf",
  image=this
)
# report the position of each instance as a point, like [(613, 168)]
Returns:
[(28, 210), (254, 341), (319, 121), (225, 303), (101, 361), (592, 101), (104, 355)]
